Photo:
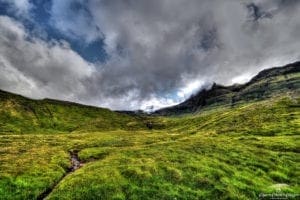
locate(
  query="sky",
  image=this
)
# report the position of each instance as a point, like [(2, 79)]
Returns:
[(129, 55)]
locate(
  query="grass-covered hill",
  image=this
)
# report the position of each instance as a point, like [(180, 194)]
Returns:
[(245, 150), (20, 115)]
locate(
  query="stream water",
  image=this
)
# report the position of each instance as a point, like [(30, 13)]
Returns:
[(75, 164)]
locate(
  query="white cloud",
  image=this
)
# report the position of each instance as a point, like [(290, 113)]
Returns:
[(156, 48), (190, 88), (73, 20), (39, 69), (35, 68), (19, 7)]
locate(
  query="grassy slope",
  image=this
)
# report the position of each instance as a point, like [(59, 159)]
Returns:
[(19, 115), (224, 153)]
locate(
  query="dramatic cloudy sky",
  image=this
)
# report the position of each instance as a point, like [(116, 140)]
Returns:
[(134, 54)]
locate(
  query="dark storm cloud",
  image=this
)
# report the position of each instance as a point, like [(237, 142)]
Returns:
[(256, 13), (159, 51)]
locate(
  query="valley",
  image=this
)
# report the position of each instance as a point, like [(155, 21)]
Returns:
[(205, 148)]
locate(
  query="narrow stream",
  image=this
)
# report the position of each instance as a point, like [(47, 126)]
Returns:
[(75, 164)]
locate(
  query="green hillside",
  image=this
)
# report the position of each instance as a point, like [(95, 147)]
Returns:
[(248, 149), (19, 115)]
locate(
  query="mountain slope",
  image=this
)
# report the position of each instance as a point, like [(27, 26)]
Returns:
[(268, 83), (22, 115)]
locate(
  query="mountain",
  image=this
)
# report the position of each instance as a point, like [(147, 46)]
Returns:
[(268, 83)]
